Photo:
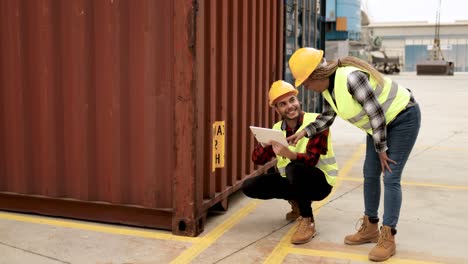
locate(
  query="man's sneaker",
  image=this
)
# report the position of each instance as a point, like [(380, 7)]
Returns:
[(367, 233), (305, 231), (294, 214), (386, 247)]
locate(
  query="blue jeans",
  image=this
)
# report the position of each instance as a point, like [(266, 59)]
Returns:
[(401, 136)]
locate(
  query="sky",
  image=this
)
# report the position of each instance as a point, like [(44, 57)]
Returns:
[(415, 10)]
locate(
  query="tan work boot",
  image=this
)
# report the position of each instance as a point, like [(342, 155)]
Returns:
[(294, 214), (305, 231), (386, 247), (367, 233)]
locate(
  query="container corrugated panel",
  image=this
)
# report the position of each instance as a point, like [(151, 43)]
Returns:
[(239, 54), (107, 107), (85, 87), (300, 31)]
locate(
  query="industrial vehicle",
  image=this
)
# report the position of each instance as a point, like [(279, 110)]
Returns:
[(379, 58)]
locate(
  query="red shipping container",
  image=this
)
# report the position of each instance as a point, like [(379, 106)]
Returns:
[(133, 112)]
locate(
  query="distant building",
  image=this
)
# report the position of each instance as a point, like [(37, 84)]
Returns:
[(412, 41)]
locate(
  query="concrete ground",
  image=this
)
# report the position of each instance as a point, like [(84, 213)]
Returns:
[(432, 227)]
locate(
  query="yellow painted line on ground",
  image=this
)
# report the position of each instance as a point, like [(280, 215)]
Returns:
[(94, 227), (421, 184), (283, 248), (206, 241), (198, 246), (348, 256), (441, 148), (418, 147)]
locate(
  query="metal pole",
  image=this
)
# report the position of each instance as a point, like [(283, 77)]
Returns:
[(303, 22), (296, 22), (306, 98), (315, 23), (310, 9), (322, 25)]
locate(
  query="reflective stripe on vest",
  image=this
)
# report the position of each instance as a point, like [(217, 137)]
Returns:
[(327, 163), (392, 98)]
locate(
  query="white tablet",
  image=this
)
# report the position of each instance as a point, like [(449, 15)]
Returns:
[(265, 135)]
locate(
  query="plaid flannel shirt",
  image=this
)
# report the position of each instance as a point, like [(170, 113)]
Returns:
[(362, 92), (316, 146)]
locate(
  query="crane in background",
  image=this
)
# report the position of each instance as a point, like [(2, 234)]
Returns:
[(436, 65), (436, 52)]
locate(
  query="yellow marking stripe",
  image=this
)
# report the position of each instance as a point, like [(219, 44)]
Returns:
[(441, 148), (280, 251), (201, 243), (347, 256), (418, 147), (442, 186), (206, 241), (95, 227)]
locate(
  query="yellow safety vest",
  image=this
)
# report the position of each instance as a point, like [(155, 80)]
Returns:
[(327, 163), (392, 97)]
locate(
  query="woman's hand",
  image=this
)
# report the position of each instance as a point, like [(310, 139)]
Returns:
[(283, 151), (384, 159), (292, 140)]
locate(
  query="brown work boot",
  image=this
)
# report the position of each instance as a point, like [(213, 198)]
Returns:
[(305, 231), (294, 214), (367, 233), (386, 247)]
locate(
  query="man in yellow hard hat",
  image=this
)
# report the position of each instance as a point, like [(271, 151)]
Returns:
[(305, 172), (389, 115)]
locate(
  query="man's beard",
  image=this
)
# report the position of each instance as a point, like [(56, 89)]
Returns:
[(296, 112)]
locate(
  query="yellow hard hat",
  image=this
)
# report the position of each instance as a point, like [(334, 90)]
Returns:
[(280, 88), (303, 62)]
